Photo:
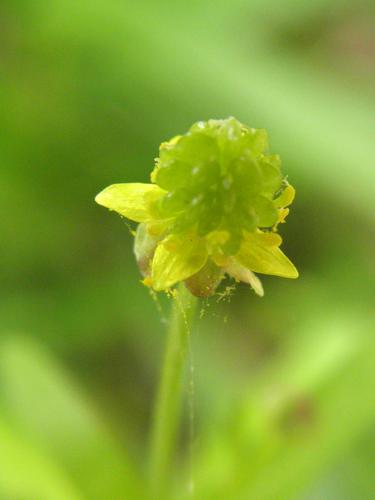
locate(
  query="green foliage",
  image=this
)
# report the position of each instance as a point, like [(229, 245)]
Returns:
[(57, 421), (88, 91)]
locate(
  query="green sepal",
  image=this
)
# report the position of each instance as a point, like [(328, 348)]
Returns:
[(204, 282), (145, 244)]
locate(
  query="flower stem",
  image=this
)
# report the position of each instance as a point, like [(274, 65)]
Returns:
[(168, 400)]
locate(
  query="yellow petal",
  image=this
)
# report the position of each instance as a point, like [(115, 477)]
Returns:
[(260, 253), (176, 259), (283, 214), (130, 200), (286, 197)]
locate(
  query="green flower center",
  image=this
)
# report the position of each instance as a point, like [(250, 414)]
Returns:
[(218, 177)]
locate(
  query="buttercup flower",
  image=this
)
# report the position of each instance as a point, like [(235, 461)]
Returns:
[(213, 207)]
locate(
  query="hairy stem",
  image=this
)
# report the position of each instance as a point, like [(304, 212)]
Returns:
[(168, 400)]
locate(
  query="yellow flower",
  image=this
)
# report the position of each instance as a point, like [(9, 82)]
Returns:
[(213, 208)]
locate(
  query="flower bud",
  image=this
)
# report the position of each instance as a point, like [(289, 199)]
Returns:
[(216, 200)]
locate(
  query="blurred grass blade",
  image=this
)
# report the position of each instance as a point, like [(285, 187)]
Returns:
[(26, 473), (337, 425), (296, 422), (46, 405)]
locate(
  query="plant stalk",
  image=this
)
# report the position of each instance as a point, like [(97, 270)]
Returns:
[(169, 396)]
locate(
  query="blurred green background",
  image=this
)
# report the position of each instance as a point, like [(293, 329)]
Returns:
[(285, 385)]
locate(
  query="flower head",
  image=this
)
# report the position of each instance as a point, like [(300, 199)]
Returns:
[(213, 208)]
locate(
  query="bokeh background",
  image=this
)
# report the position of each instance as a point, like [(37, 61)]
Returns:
[(284, 385)]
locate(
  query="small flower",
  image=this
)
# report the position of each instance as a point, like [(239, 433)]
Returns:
[(213, 208)]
